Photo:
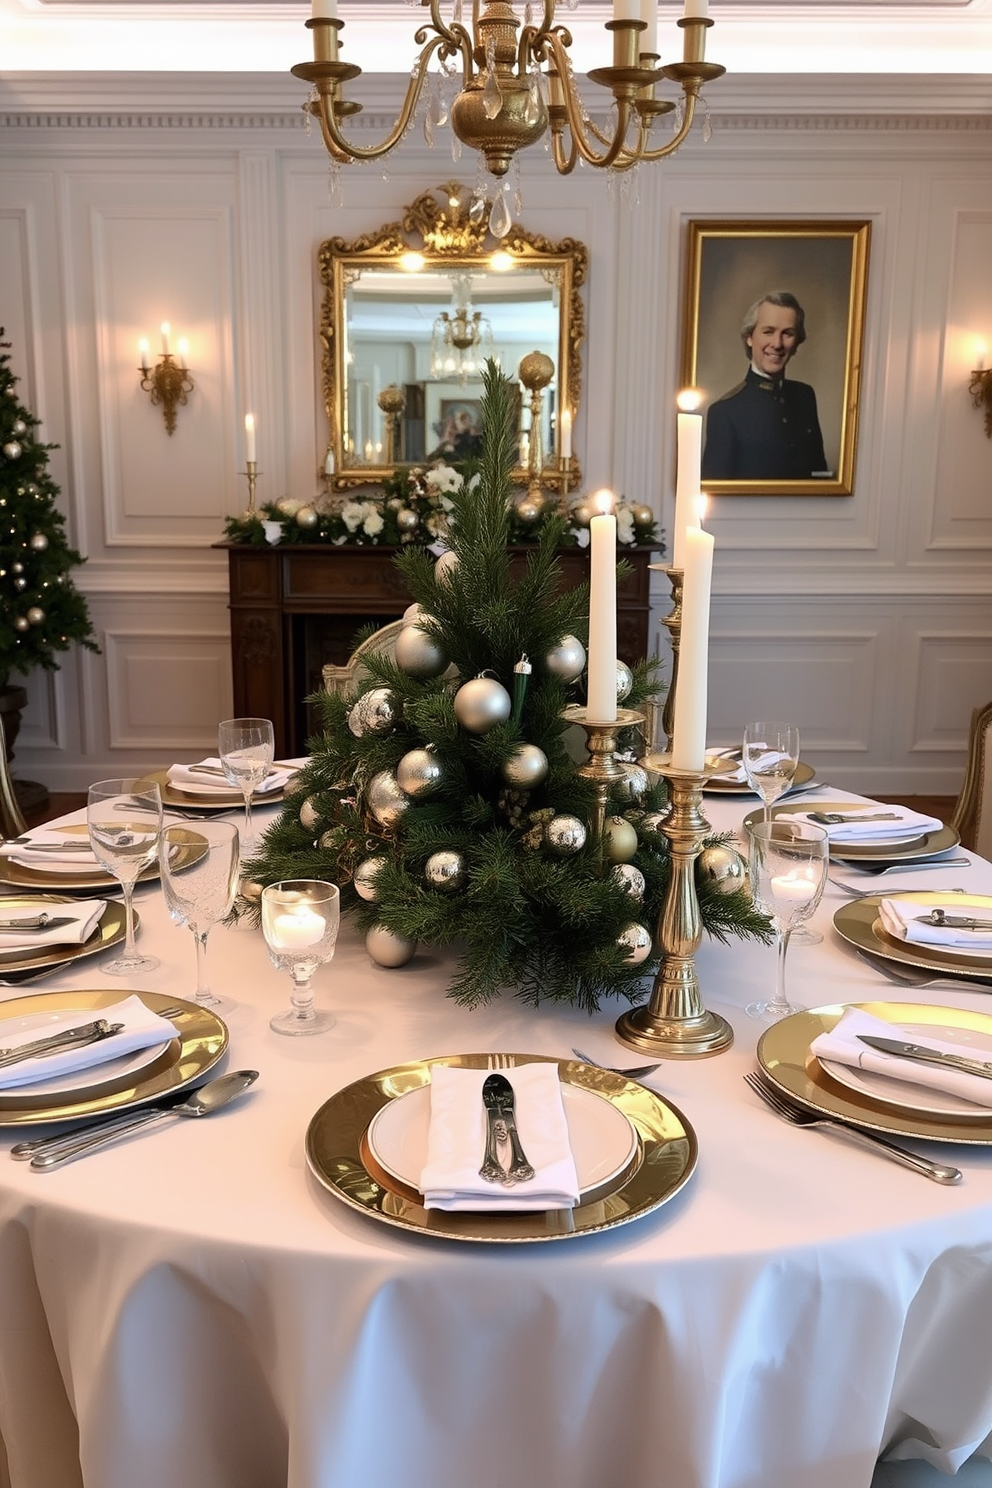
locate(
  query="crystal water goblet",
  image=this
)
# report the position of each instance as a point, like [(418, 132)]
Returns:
[(246, 747), (199, 866), (770, 754), (788, 868), (124, 821), (300, 919)]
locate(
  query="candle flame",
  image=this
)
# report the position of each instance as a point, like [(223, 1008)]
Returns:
[(699, 507), (689, 400), (604, 501), (249, 422)]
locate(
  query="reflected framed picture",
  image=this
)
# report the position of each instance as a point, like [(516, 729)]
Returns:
[(454, 420), (773, 339)]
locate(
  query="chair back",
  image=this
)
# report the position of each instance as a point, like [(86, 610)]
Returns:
[(973, 812), (344, 679)]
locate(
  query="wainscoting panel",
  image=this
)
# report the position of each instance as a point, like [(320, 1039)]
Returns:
[(167, 690)]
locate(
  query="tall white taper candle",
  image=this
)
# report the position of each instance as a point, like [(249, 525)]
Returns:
[(601, 701), (689, 741), (250, 437), (687, 474)]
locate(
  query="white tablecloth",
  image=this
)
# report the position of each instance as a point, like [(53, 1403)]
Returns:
[(191, 1306)]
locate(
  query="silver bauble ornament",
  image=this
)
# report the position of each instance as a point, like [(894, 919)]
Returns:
[(619, 839), (528, 512), (721, 868), (481, 704), (418, 655), (20, 583), (386, 801), (412, 612), (635, 778), (628, 876), (567, 660), (375, 712), (17, 568), (12, 450), (445, 870), (419, 772), (39, 542), (365, 878), (287, 506), (21, 624), (307, 517), (652, 821), (309, 815), (19, 427), (526, 767), (250, 889), (625, 680), (294, 786), (407, 520), (565, 835), (387, 949), (582, 514), (35, 615), (328, 840), (636, 941), (445, 566)]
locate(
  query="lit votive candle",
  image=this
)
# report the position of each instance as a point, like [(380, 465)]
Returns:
[(793, 887), (298, 929)]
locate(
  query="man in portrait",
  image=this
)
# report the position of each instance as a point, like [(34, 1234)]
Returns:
[(766, 428)]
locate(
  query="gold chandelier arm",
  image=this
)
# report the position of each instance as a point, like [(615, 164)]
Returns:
[(568, 99), (335, 142)]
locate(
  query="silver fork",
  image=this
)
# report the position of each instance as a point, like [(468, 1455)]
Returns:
[(784, 1108), (877, 893), (912, 976)]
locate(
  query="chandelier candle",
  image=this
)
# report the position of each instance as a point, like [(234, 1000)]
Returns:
[(687, 476), (689, 743), (601, 700)]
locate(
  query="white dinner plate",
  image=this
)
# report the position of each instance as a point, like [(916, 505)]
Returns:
[(906, 1095), (92, 1078), (603, 1141)]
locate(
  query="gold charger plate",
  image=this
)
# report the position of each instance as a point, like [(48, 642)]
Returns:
[(804, 774), (784, 1055), (860, 926), (666, 1158), (220, 800), (201, 1039), (62, 878), (109, 931), (914, 850)]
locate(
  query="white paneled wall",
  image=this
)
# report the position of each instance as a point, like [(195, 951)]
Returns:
[(867, 620)]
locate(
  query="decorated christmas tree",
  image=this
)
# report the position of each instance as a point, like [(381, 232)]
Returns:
[(443, 799), (41, 611)]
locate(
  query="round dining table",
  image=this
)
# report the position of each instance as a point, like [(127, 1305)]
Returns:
[(192, 1305)]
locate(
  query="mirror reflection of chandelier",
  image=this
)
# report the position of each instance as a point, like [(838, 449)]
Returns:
[(462, 338)]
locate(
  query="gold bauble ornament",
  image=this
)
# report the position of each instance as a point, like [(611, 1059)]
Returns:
[(306, 517), (642, 516), (407, 520), (619, 839), (528, 511), (582, 514), (387, 949)]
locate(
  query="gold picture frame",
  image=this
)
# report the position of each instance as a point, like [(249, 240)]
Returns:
[(777, 421)]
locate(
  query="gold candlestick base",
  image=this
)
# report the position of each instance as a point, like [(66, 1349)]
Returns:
[(674, 1022), (602, 768), (251, 471)]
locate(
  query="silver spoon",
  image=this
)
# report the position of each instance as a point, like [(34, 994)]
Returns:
[(51, 1152), (638, 1072)]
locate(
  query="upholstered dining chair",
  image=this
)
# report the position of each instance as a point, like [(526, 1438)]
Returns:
[(344, 679), (973, 812), (12, 823)]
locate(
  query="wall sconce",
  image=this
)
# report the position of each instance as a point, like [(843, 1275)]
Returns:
[(980, 388), (168, 382)]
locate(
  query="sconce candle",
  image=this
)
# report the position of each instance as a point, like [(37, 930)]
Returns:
[(566, 433), (183, 352), (689, 742), (687, 475), (143, 352), (166, 332), (250, 437), (601, 699)]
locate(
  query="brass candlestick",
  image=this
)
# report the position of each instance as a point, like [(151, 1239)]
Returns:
[(251, 471), (673, 622), (674, 1022), (602, 768), (392, 401)]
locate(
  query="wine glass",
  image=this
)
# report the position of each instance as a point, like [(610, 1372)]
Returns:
[(788, 867), (246, 747), (300, 920), (200, 879), (770, 755), (124, 820)]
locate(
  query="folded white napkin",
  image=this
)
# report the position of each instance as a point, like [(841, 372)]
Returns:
[(191, 782), (84, 916), (738, 776), (900, 917), (142, 1030), (456, 1142), (27, 854), (843, 1045), (903, 825)]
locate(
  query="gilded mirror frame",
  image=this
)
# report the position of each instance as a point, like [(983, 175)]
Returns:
[(437, 226)]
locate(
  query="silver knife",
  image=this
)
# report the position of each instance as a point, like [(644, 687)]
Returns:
[(39, 922), (926, 1055), (945, 921), (69, 1038)]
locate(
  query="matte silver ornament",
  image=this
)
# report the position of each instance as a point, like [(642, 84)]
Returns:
[(565, 835), (628, 876), (418, 655), (386, 801), (445, 870), (407, 520), (309, 815), (625, 680), (12, 450), (21, 624), (722, 868), (39, 542), (481, 704), (35, 615), (619, 839), (567, 660), (306, 517), (635, 939), (19, 426), (419, 773), (365, 878), (387, 949), (526, 767)]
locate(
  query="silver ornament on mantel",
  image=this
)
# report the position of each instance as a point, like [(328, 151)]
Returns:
[(445, 870), (418, 654), (387, 949), (419, 772), (407, 520), (365, 878), (722, 868), (386, 801), (309, 815), (567, 660), (635, 939), (306, 517), (628, 876), (481, 704), (526, 767), (565, 835)]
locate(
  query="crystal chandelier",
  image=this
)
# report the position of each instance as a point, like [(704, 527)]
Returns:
[(515, 82), (462, 339)]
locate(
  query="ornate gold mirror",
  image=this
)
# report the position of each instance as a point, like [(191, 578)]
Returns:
[(410, 314)]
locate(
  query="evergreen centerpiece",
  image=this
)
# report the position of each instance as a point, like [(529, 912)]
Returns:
[(41, 611), (441, 795)]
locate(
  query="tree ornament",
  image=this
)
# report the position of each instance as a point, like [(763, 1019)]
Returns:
[(652, 821), (528, 512), (375, 712), (412, 612), (418, 654), (565, 835), (309, 815), (445, 870), (619, 839), (635, 778), (642, 516), (419, 773), (521, 677), (567, 660), (21, 624), (722, 868), (635, 939), (39, 542), (19, 427), (386, 801), (306, 517), (445, 566), (387, 949), (294, 787), (526, 767), (582, 514), (250, 889), (407, 520), (625, 680), (20, 583), (287, 506), (17, 568), (481, 704), (628, 876), (365, 878), (35, 615), (12, 450)]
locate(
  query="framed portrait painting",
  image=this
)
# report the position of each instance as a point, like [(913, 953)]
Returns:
[(773, 340), (453, 416)]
